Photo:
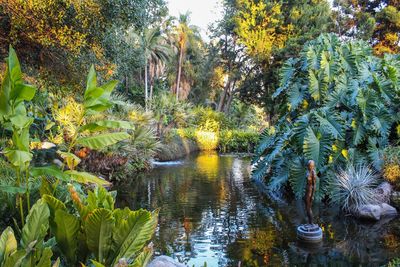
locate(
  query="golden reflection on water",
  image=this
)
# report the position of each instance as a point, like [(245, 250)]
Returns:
[(208, 164)]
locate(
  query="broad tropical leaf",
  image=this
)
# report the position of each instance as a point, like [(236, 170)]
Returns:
[(86, 178), (316, 146), (52, 171), (37, 224), (18, 158), (143, 258), (102, 140), (132, 232), (8, 244), (98, 227), (66, 233), (12, 189), (70, 159), (45, 259), (298, 177)]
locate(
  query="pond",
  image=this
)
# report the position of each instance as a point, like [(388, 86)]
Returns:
[(210, 211)]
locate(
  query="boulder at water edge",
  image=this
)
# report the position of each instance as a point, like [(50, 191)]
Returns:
[(165, 261), (370, 211), (375, 211)]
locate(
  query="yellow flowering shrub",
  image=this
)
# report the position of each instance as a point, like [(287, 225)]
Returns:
[(206, 140), (391, 168), (70, 117), (391, 172)]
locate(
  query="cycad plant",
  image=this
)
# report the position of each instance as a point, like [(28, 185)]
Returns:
[(342, 105)]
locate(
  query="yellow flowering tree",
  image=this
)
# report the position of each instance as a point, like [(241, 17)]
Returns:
[(260, 27)]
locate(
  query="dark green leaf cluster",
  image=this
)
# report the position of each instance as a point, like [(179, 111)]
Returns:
[(342, 106)]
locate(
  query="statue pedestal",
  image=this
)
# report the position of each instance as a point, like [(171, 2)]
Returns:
[(309, 233)]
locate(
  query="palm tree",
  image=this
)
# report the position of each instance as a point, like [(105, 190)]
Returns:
[(183, 33), (156, 53)]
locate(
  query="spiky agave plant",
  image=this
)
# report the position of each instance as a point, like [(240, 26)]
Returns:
[(354, 187)]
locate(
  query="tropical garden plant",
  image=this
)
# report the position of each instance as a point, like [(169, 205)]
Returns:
[(354, 187), (391, 166), (35, 248), (342, 106), (95, 231), (15, 121), (156, 52)]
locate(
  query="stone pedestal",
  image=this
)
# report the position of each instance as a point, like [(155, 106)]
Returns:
[(309, 233)]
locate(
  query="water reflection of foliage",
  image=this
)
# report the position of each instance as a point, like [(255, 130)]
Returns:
[(254, 250), (360, 242), (208, 163)]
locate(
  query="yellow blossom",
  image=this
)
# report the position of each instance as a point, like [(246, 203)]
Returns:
[(345, 153)]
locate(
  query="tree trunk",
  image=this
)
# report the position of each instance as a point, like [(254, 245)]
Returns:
[(228, 104), (178, 77), (151, 92), (145, 85), (231, 94), (222, 99), (126, 84)]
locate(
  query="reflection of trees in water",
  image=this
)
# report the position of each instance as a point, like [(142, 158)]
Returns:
[(254, 249), (365, 242), (209, 207), (203, 199)]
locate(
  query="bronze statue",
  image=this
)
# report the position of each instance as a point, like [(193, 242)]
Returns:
[(309, 232), (310, 189)]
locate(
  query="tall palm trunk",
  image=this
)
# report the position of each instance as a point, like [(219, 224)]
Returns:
[(178, 77), (145, 84)]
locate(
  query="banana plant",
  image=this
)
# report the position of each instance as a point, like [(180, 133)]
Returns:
[(32, 250), (87, 133), (342, 106), (98, 233), (13, 117), (96, 100)]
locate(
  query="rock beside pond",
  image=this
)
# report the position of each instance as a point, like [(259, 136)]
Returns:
[(375, 211), (165, 261), (370, 211), (383, 192)]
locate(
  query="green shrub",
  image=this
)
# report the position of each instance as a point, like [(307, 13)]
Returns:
[(209, 119), (342, 106), (394, 262), (238, 140), (207, 140)]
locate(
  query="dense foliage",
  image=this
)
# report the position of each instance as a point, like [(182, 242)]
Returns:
[(334, 99), (342, 106), (96, 236)]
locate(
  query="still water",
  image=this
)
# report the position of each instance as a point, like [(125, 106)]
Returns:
[(211, 212)]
